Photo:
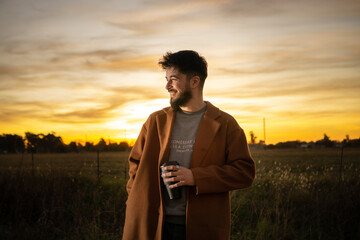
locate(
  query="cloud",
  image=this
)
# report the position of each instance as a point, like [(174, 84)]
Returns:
[(98, 109), (99, 54), (28, 58), (109, 59), (335, 87), (16, 110), (302, 58), (164, 17), (279, 8), (129, 64), (108, 107), (8, 70), (58, 56), (255, 8), (22, 80), (27, 47)]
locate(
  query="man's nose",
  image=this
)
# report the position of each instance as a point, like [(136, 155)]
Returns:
[(168, 85)]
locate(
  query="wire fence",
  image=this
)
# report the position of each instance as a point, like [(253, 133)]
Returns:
[(96, 164)]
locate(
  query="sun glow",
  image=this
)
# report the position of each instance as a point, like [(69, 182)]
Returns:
[(297, 69), (133, 115)]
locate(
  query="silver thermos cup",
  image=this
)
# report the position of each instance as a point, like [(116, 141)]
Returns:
[(174, 193)]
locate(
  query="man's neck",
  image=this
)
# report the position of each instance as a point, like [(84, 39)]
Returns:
[(193, 105)]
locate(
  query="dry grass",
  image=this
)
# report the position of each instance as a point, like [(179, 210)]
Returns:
[(297, 194), (300, 194)]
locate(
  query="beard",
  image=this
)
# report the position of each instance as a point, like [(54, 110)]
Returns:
[(181, 100)]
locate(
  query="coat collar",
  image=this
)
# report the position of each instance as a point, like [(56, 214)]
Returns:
[(164, 126), (206, 133)]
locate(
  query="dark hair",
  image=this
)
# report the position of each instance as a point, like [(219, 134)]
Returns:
[(187, 62)]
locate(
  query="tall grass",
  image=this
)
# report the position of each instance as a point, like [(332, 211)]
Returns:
[(297, 194), (62, 197), (300, 195), (56, 206)]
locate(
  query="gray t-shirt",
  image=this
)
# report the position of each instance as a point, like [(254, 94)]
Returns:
[(183, 136)]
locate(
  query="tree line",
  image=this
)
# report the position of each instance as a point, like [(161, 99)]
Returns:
[(50, 143), (325, 142)]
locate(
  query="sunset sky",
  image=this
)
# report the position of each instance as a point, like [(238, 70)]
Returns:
[(88, 69)]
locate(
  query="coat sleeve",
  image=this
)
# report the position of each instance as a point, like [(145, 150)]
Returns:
[(134, 157), (237, 172)]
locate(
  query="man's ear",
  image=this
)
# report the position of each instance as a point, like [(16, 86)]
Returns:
[(194, 82)]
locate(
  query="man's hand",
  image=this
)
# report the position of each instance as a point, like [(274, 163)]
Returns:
[(184, 176)]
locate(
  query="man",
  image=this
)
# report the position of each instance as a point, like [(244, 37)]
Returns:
[(212, 152)]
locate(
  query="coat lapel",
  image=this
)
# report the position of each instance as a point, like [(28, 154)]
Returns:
[(206, 133), (164, 124)]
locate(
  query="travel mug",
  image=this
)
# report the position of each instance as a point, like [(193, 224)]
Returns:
[(174, 193)]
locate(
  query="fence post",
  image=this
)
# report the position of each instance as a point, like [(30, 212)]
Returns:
[(341, 163), (98, 166), (32, 163)]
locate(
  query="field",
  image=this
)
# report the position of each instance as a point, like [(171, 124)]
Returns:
[(297, 194)]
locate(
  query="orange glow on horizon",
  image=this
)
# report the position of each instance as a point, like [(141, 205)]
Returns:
[(294, 63)]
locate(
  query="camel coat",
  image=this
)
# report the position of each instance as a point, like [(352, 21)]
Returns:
[(220, 162)]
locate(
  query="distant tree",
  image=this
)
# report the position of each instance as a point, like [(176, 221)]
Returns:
[(11, 143), (89, 147), (326, 138), (123, 146), (252, 137), (80, 147), (42, 143), (32, 142), (288, 144), (325, 142), (52, 143), (113, 146), (347, 138), (347, 142), (270, 146), (73, 147), (101, 146)]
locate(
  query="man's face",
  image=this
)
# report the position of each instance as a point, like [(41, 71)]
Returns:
[(179, 88)]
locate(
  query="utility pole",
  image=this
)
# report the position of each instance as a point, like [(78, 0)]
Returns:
[(264, 130)]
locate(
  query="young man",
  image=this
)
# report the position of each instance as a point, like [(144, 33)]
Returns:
[(212, 152)]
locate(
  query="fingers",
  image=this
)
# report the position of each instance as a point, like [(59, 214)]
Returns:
[(177, 181), (171, 168), (174, 171), (169, 174), (173, 179), (174, 176), (178, 184), (179, 175)]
